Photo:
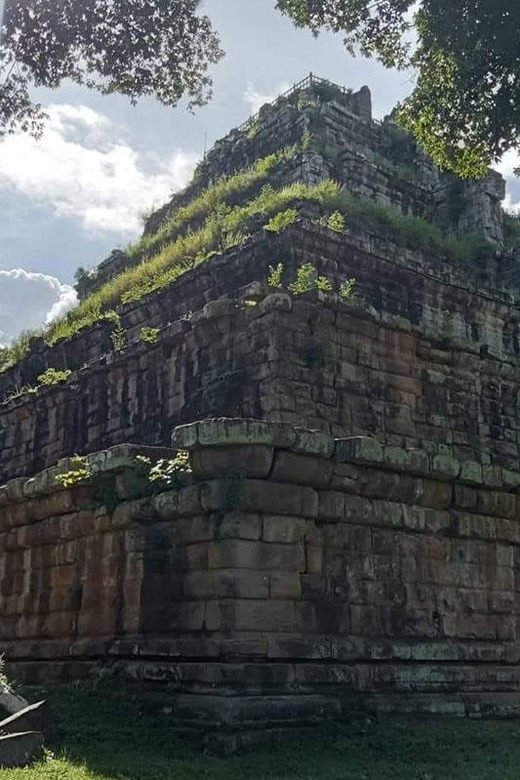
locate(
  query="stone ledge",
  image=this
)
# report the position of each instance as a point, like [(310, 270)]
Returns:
[(115, 460), (228, 440)]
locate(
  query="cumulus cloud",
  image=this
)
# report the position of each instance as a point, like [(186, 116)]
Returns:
[(509, 162), (29, 300), (79, 170), (256, 99), (511, 204), (507, 166)]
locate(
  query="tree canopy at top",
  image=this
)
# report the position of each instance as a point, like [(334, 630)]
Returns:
[(135, 47), (465, 107)]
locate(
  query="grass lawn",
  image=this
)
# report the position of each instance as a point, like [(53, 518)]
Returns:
[(105, 736)]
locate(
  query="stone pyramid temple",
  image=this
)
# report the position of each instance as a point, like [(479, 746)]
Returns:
[(267, 472)]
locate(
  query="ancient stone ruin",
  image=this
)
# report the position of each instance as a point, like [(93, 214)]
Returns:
[(335, 523)]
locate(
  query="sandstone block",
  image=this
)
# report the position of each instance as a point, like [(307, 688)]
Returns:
[(259, 496), (276, 302), (300, 648), (285, 585), (142, 511), (123, 456), (226, 584), (492, 476), (14, 490), (283, 529), (358, 510), (185, 437), (237, 525), (345, 477), (258, 556), (219, 308), (395, 458), (435, 494), (166, 505), (387, 513), (187, 530), (471, 472), (358, 449), (250, 615), (224, 431), (331, 505), (254, 461), (297, 469), (190, 502), (418, 462), (511, 479), (131, 485), (313, 443)]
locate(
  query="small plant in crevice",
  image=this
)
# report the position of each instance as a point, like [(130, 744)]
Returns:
[(118, 335), (104, 485), (149, 335), (275, 275), (323, 284), (77, 475), (336, 222), (50, 377), (19, 392), (306, 277), (53, 376), (167, 473), (346, 289), (306, 140), (281, 220)]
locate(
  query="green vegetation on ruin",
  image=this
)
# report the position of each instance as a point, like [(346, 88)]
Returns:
[(210, 224), (224, 191), (105, 733)]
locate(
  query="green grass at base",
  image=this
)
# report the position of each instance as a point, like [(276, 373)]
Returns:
[(105, 735)]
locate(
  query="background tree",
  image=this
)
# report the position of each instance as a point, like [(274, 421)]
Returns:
[(135, 47), (465, 107)]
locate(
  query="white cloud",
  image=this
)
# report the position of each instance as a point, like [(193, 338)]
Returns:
[(256, 99), (508, 163), (511, 205), (79, 170), (507, 166), (29, 300)]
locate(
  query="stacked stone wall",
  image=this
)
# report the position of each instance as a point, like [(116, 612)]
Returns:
[(419, 357), (292, 578)]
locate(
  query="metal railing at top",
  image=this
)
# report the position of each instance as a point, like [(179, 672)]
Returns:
[(299, 87)]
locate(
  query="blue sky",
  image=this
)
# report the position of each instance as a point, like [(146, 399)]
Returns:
[(70, 198)]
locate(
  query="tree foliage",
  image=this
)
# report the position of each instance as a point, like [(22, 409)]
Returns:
[(465, 107), (135, 47)]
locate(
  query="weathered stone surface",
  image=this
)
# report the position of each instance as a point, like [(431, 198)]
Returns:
[(11, 702), (381, 567), (258, 496), (227, 432), (359, 449), (301, 470), (32, 717), (253, 461), (18, 750)]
